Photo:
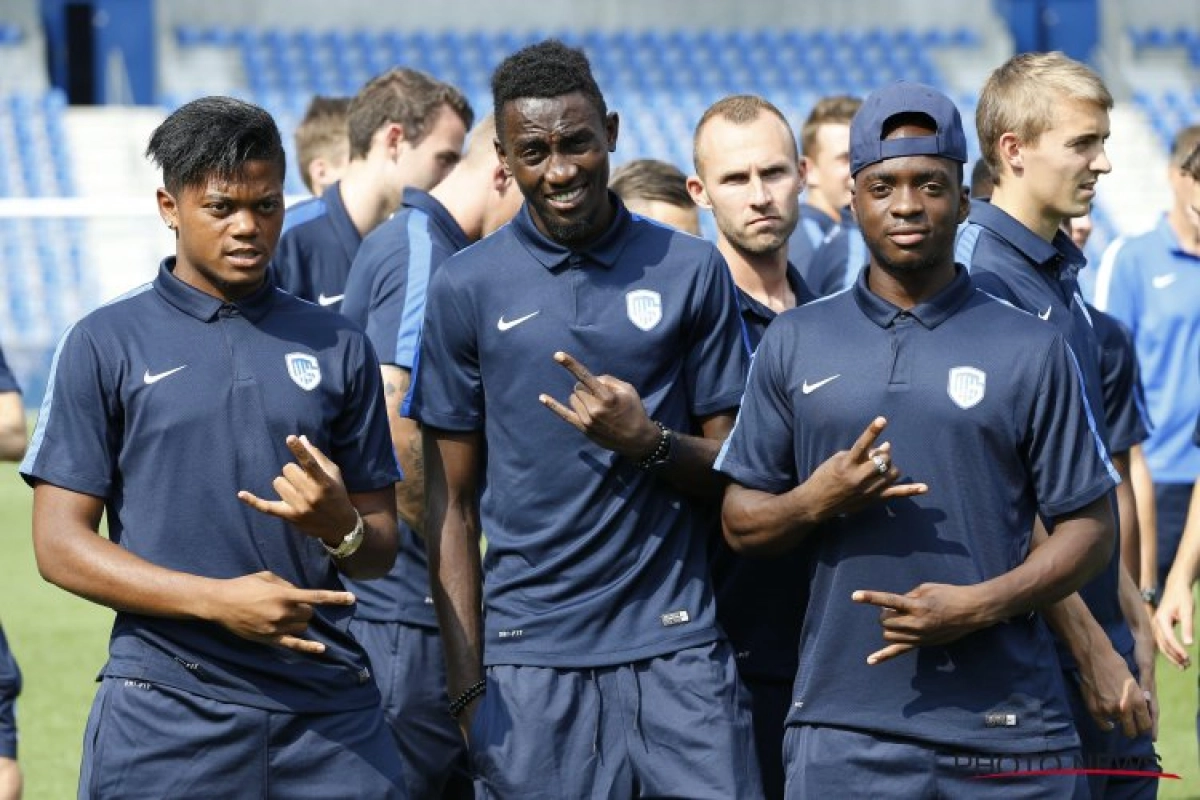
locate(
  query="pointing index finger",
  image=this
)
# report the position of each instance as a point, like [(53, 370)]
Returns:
[(896, 602), (581, 373), (862, 447)]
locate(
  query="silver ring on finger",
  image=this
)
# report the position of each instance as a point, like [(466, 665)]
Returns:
[(881, 464)]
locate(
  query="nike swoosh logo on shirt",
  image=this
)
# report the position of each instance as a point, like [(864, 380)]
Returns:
[(1045, 314), (504, 324), (1163, 281), (809, 388), (330, 300), (149, 379)]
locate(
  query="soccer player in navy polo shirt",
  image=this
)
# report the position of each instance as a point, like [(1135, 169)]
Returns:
[(983, 406), (606, 673), (1043, 121), (749, 174), (12, 447), (406, 129), (178, 412), (394, 618)]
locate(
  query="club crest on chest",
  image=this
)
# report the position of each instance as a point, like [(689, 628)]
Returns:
[(304, 370), (644, 308), (966, 386)]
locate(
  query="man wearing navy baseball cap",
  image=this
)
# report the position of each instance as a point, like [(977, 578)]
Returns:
[(975, 422)]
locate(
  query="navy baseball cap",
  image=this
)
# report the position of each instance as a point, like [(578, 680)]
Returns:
[(867, 145)]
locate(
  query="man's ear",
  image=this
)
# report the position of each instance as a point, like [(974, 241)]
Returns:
[(699, 194), (168, 209), (612, 126), (1011, 152), (501, 178)]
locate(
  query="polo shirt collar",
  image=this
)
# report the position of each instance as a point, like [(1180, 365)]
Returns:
[(445, 222), (748, 305), (205, 307), (1060, 257), (932, 313), (604, 251)]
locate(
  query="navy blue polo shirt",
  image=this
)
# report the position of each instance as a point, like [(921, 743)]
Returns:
[(1011, 262), (386, 295), (811, 230), (8, 383), (837, 262), (590, 561), (760, 601), (166, 403), (1124, 401), (317, 247), (985, 406)]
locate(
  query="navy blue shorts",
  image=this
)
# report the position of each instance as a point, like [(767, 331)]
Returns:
[(410, 669), (770, 701), (145, 739), (1112, 750), (674, 726), (838, 762), (10, 687), (1171, 501)]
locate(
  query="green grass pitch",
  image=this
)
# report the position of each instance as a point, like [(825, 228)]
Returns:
[(60, 640)]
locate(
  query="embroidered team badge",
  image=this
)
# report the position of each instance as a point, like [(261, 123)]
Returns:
[(304, 370), (966, 386), (644, 307)]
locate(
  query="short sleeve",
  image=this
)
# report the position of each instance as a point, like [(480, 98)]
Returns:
[(361, 443), (759, 451), (447, 390), (77, 442), (1066, 455), (718, 349), (1124, 400)]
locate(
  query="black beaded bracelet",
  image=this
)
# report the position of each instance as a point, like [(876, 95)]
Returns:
[(458, 704), (661, 450)]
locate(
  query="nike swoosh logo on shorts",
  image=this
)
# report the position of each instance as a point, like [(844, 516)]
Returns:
[(149, 379), (809, 388), (330, 300), (1163, 281), (504, 324), (1045, 315)]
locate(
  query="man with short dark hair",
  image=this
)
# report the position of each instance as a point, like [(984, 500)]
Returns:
[(656, 190), (406, 129), (606, 672), (176, 412), (982, 405)]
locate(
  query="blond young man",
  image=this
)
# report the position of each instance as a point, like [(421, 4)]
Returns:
[(825, 143), (1043, 120), (656, 190), (323, 143)]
